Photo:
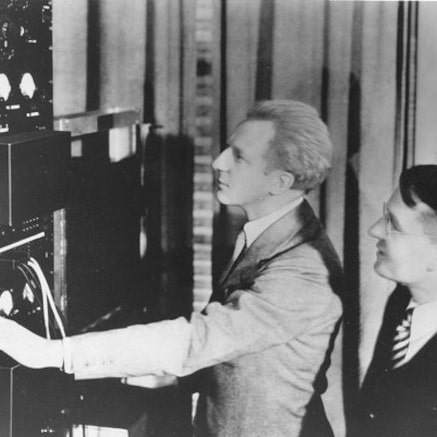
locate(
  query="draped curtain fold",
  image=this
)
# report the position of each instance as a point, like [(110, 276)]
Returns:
[(426, 126)]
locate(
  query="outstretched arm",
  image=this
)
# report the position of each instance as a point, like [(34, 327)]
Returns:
[(37, 352), (282, 304), (153, 349)]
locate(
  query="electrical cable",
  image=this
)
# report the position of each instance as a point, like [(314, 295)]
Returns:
[(36, 287), (30, 276), (45, 291), (45, 288)]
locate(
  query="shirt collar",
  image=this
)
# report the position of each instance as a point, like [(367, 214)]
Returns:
[(424, 319), (255, 228)]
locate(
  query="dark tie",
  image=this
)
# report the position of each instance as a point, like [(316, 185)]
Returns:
[(401, 340)]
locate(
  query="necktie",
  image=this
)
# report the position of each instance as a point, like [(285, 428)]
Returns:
[(240, 245), (401, 340)]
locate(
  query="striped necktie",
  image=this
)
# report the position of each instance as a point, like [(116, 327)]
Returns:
[(401, 340)]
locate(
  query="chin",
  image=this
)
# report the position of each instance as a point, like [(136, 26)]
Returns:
[(381, 271), (223, 198)]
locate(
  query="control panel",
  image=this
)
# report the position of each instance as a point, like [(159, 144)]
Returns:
[(25, 65), (33, 182)]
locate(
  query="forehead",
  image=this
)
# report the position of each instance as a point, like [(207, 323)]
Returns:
[(252, 134), (410, 217)]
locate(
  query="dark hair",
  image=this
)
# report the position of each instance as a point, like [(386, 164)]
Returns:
[(301, 144), (419, 184)]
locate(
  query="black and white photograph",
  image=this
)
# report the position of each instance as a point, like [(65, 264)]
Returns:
[(218, 218)]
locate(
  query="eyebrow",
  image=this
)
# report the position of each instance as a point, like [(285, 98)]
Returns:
[(237, 150), (394, 219)]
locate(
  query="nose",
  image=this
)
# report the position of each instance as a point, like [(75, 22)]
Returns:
[(221, 163), (377, 230)]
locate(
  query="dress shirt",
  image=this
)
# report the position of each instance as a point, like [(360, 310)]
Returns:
[(255, 228), (423, 326)]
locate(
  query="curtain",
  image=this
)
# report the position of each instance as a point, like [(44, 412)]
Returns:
[(98, 54), (69, 56), (426, 127), (355, 62)]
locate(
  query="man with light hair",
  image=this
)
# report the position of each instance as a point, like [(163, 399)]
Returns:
[(263, 341)]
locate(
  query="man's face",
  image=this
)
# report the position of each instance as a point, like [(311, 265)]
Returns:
[(404, 252), (241, 168)]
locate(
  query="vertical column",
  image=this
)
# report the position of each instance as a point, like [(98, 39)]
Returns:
[(426, 126)]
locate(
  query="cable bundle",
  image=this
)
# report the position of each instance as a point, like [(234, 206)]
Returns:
[(37, 297)]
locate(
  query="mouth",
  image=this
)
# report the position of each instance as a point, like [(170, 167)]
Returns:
[(222, 185), (379, 250)]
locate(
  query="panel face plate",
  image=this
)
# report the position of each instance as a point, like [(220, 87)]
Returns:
[(25, 65)]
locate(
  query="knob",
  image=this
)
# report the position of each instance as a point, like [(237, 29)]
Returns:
[(10, 30), (27, 85)]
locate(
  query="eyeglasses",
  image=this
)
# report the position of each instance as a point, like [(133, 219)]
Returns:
[(390, 228)]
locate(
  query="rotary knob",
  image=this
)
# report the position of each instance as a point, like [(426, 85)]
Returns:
[(10, 30)]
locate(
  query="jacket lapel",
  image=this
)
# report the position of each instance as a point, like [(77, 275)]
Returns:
[(287, 232)]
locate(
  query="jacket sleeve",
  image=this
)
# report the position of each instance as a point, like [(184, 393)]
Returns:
[(284, 300), (153, 349)]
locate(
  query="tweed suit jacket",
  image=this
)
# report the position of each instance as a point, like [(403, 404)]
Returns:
[(261, 346)]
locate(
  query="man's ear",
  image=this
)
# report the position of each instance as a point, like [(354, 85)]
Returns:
[(283, 182)]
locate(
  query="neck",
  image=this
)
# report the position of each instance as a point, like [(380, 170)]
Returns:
[(270, 204), (423, 293)]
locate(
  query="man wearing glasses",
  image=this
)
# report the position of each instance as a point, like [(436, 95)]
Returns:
[(399, 392)]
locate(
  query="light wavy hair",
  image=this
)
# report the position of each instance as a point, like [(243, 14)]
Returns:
[(301, 144)]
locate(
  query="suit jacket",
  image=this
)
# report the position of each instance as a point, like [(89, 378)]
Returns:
[(262, 346), (400, 402)]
